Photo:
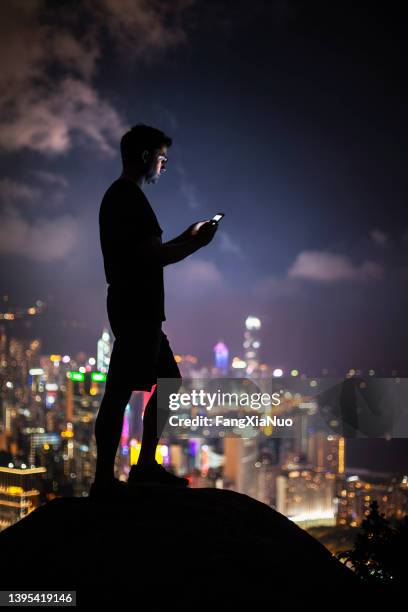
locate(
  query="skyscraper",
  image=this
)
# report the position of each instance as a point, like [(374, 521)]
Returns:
[(239, 469), (221, 356), (252, 343), (104, 349), (19, 493)]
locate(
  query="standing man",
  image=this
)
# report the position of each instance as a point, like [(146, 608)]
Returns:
[(134, 257)]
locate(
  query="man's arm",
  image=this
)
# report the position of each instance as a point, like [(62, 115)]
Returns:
[(172, 252), (177, 239), (186, 235)]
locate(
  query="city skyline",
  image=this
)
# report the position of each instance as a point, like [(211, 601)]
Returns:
[(376, 454)]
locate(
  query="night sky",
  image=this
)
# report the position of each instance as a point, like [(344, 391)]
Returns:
[(288, 116)]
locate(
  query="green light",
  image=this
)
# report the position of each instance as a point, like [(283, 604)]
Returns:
[(77, 376), (98, 376)]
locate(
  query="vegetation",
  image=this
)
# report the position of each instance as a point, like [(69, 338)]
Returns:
[(379, 553)]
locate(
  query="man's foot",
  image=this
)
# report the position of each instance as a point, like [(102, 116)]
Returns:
[(154, 473), (108, 489)]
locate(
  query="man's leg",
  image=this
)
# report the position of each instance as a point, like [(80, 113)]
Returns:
[(147, 468), (152, 429), (149, 437), (108, 429), (154, 421)]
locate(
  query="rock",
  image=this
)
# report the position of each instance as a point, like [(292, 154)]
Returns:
[(170, 545)]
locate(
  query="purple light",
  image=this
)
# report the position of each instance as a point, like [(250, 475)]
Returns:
[(192, 447)]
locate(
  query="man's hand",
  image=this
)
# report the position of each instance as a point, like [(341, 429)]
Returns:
[(188, 242), (192, 229), (205, 232), (189, 233), (195, 227)]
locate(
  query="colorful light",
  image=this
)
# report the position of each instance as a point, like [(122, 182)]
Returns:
[(98, 376), (76, 376), (221, 356)]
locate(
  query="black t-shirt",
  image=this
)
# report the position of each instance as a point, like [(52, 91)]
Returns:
[(125, 220)]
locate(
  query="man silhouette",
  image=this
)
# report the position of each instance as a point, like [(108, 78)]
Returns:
[(134, 257)]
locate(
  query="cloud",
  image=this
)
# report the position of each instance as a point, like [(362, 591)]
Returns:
[(48, 100), (14, 191), (46, 90), (51, 178), (45, 121), (271, 287), (378, 237), (193, 278), (41, 240), (143, 27), (79, 57), (187, 188), (228, 245), (19, 195), (164, 115), (329, 267)]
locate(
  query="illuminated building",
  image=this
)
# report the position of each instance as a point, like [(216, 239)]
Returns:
[(307, 497), (39, 440), (19, 493), (356, 492), (103, 353), (17, 358), (267, 480), (326, 452), (9, 414), (240, 472), (124, 438), (265, 371), (83, 391), (3, 344), (10, 313), (193, 454), (238, 366), (67, 436), (341, 450), (252, 343), (69, 401), (36, 380), (161, 455), (177, 458), (221, 356)]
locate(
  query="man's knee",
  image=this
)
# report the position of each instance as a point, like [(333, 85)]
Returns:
[(117, 391)]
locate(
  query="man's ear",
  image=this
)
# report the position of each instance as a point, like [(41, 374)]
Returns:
[(145, 156)]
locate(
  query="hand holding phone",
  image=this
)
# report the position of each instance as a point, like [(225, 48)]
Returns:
[(214, 221), (206, 233), (206, 230), (218, 217)]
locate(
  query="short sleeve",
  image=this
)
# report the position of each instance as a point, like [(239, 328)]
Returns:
[(126, 220), (127, 217)]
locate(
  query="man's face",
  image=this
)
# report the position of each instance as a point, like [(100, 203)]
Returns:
[(156, 164)]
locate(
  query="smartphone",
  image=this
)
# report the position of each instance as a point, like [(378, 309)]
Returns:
[(217, 217)]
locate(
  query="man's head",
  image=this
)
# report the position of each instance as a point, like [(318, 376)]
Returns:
[(144, 151)]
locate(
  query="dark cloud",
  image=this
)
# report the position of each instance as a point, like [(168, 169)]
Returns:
[(47, 85)]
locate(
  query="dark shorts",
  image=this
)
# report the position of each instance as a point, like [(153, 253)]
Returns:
[(141, 351)]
